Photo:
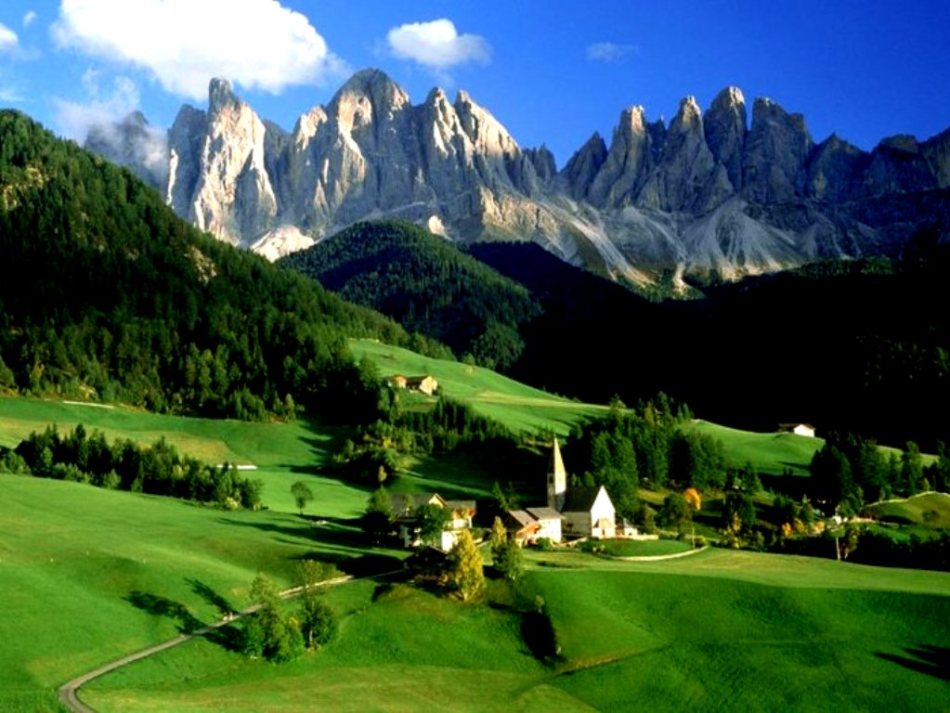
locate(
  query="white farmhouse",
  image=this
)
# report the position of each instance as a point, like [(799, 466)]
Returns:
[(799, 429)]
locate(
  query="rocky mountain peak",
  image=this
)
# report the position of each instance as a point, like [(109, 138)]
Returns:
[(706, 192), (221, 96), (688, 117)]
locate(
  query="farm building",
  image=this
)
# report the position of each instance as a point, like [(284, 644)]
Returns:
[(530, 525), (425, 384), (397, 381), (408, 517), (799, 429)]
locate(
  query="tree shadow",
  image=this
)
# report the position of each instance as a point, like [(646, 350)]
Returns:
[(923, 658), (219, 602), (162, 606)]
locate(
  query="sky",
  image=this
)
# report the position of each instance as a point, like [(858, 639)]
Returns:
[(552, 71)]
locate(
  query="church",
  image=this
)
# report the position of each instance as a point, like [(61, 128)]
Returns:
[(570, 512)]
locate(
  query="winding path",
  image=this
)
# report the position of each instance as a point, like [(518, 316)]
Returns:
[(68, 692)]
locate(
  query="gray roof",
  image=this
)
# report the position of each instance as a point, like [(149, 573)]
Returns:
[(580, 499), (521, 517), (545, 513)]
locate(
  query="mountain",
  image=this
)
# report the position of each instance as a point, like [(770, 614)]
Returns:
[(426, 284), (105, 294), (707, 195)]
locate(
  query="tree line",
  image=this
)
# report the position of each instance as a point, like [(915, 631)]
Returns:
[(159, 469)]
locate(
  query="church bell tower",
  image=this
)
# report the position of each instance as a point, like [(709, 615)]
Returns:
[(557, 479)]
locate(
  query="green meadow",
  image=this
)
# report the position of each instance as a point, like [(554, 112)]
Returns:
[(522, 408), (282, 453), (717, 630), (89, 575), (930, 509)]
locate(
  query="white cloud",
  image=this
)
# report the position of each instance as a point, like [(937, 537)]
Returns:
[(437, 45), (608, 51), (29, 18), (184, 43), (100, 107), (8, 39)]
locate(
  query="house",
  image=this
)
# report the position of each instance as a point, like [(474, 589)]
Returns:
[(589, 512), (397, 381), (407, 509), (799, 429), (425, 384), (522, 526), (549, 523)]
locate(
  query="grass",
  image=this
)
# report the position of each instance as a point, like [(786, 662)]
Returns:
[(644, 548), (282, 452), (767, 452), (929, 509), (86, 574), (719, 630), (748, 631), (522, 408)]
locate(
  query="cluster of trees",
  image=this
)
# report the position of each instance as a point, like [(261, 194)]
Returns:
[(507, 557), (647, 445), (850, 470), (373, 457), (426, 284), (276, 634), (124, 465), (106, 294)]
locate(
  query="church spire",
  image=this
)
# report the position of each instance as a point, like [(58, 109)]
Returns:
[(557, 479)]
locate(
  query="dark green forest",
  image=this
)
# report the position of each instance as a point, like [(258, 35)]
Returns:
[(860, 346), (426, 284), (106, 295)]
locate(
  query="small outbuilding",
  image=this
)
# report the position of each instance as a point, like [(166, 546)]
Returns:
[(425, 384), (799, 429)]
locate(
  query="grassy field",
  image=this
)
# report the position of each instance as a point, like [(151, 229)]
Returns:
[(520, 407), (719, 630), (644, 548), (282, 452), (930, 509), (89, 574), (784, 634), (767, 452)]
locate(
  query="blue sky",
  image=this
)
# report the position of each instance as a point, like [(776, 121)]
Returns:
[(552, 71)]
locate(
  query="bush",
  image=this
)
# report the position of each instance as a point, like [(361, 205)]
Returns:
[(545, 544)]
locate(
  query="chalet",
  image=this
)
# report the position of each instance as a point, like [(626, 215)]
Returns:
[(799, 429), (589, 512), (407, 509), (549, 523), (397, 381), (522, 526), (425, 384)]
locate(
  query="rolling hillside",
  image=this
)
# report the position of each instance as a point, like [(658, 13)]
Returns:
[(704, 633)]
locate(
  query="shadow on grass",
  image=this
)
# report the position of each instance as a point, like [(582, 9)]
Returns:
[(163, 606), (923, 658), (212, 597)]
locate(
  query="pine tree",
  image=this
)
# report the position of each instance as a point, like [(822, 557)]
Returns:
[(465, 575)]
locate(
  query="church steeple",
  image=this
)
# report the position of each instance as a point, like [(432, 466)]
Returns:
[(557, 479)]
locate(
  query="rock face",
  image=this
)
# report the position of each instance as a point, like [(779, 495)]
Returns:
[(704, 194)]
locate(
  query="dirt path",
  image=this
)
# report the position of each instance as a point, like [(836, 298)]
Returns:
[(68, 692), (657, 558)]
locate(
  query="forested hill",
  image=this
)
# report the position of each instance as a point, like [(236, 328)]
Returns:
[(105, 294), (427, 284), (859, 346)]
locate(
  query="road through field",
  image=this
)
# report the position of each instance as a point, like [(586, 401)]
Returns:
[(68, 692)]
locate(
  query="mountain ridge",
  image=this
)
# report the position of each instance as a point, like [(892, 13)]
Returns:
[(707, 194)]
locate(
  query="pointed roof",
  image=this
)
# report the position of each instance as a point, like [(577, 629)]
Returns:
[(581, 499), (557, 463)]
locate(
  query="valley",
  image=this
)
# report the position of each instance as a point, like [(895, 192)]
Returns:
[(317, 396)]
